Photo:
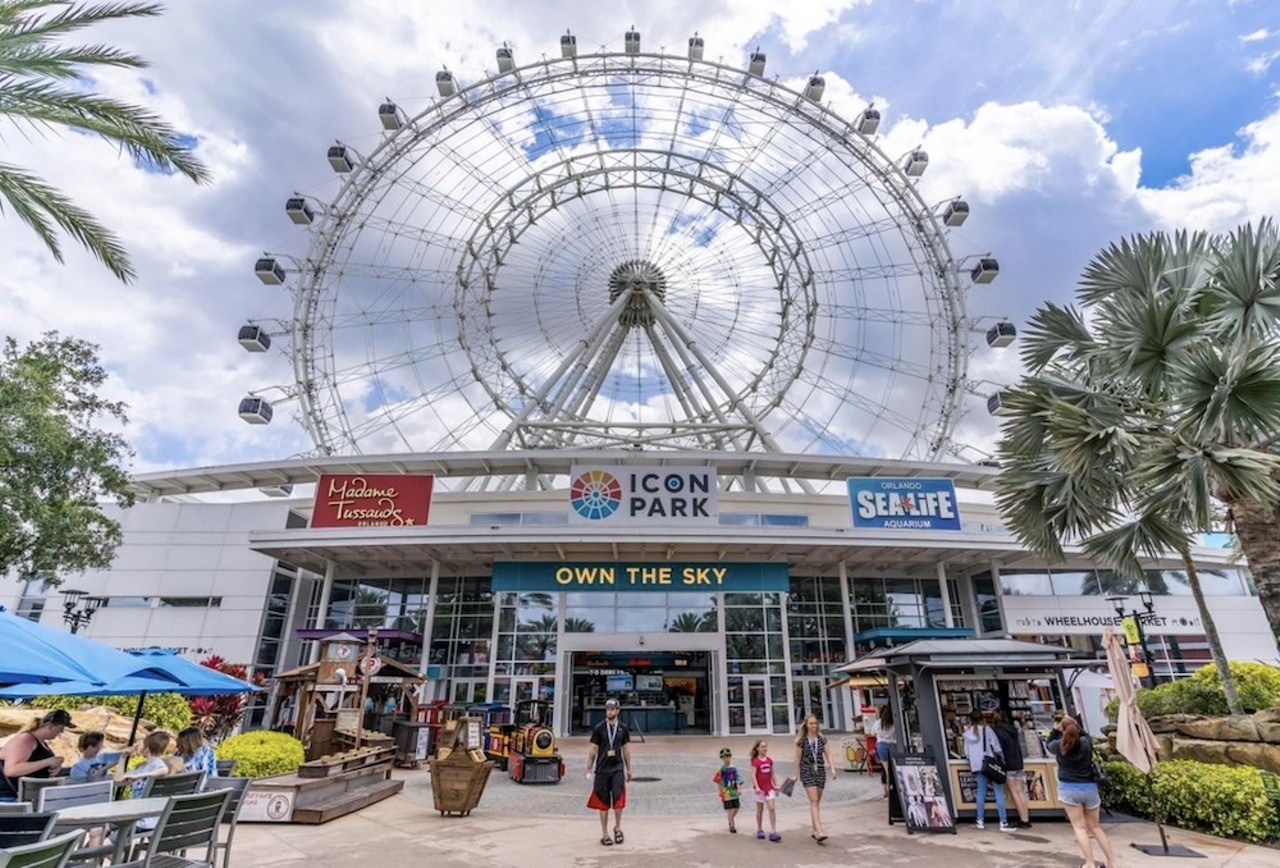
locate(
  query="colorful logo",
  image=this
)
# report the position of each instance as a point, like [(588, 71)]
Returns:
[(595, 495)]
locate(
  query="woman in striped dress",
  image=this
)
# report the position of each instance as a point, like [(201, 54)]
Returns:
[(813, 765)]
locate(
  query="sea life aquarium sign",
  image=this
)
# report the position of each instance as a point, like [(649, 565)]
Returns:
[(541, 576), (903, 503)]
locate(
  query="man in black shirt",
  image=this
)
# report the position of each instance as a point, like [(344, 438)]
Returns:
[(609, 769)]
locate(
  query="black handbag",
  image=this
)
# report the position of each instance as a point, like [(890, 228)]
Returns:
[(992, 765)]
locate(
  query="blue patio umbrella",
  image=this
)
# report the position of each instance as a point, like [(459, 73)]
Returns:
[(38, 655), (161, 671)]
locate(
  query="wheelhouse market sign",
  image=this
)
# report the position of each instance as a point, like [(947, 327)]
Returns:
[(372, 500), (541, 576), (889, 503)]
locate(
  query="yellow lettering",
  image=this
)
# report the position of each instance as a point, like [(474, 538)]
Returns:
[(564, 576), (720, 573)]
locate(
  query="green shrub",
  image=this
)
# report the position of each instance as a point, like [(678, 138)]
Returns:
[(261, 754), (1222, 800), (168, 711), (1257, 684)]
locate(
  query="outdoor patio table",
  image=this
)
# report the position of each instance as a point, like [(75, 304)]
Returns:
[(118, 815)]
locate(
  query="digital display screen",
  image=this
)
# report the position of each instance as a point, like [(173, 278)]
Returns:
[(649, 683), (618, 683)]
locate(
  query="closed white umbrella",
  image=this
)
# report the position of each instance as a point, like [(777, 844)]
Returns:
[(1134, 738)]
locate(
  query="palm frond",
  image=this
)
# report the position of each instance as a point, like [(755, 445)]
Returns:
[(41, 206), (141, 133), (1245, 474), (1054, 331), (52, 61), (21, 23), (1124, 546), (1230, 394), (1245, 283)]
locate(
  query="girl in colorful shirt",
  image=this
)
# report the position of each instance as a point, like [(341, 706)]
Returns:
[(766, 789), (728, 782)]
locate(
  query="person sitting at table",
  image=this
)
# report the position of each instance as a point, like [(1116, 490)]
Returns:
[(196, 754), (28, 755), (153, 766), (93, 764)]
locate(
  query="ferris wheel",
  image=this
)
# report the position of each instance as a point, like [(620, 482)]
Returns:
[(625, 249)]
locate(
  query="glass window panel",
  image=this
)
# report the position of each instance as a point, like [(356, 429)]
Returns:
[(507, 621), (774, 645), (744, 620), (643, 598), (1215, 583), (544, 518), (1071, 583), (739, 519), (743, 599), (785, 520), (578, 619), (591, 600), (506, 646), (691, 620), (642, 620), (773, 619)]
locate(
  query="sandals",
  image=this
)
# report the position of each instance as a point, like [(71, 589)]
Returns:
[(618, 837), (606, 841)]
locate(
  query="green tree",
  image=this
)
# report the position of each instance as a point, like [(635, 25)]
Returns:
[(1150, 408), (42, 87), (56, 464)]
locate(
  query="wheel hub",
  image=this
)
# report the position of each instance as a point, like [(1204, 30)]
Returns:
[(643, 280)]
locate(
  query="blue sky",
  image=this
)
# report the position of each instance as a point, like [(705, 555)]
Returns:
[(1065, 124)]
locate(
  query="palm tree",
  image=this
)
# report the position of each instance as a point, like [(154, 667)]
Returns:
[(1159, 402), (40, 82), (688, 622)]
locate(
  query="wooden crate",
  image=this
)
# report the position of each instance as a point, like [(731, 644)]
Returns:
[(458, 782), (345, 761)]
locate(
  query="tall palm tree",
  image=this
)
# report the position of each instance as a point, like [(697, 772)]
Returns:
[(1153, 406), (42, 86)]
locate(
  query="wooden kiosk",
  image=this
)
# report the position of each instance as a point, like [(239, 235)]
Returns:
[(348, 766)]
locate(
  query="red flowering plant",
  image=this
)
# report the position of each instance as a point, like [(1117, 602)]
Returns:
[(219, 716)]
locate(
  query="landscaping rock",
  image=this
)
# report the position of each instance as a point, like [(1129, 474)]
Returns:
[(1171, 723), (1239, 728)]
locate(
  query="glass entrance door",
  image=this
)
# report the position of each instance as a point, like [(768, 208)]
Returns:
[(758, 713), (810, 696)]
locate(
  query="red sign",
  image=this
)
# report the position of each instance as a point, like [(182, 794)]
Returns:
[(363, 500)]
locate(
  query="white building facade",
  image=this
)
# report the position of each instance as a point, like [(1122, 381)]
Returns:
[(725, 622)]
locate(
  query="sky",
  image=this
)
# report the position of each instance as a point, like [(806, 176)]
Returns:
[(1066, 126)]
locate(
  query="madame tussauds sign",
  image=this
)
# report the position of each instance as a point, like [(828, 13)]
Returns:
[(372, 500)]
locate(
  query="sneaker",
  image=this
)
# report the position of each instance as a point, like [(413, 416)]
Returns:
[(1023, 824), (1008, 827), (760, 834), (775, 837), (979, 824)]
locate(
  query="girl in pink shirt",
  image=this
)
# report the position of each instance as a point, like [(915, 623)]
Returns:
[(765, 786)]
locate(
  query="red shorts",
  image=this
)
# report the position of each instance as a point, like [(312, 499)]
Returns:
[(608, 790)]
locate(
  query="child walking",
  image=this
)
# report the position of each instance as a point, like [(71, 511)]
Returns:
[(728, 781), (765, 786)]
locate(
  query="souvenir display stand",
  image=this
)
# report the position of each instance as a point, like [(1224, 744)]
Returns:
[(935, 683)]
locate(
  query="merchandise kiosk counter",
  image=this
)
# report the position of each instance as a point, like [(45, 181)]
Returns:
[(936, 683)]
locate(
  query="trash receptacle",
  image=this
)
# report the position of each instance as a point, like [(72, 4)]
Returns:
[(411, 743)]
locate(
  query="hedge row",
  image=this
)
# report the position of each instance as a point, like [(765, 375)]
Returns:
[(260, 754), (1257, 684), (1228, 801)]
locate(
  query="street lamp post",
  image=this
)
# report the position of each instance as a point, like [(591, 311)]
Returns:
[(75, 614), (1139, 616)]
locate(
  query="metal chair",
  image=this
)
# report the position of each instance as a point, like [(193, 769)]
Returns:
[(183, 784), (71, 795), (17, 830), (28, 788), (15, 807), (52, 853), (231, 816), (188, 823), (226, 768)]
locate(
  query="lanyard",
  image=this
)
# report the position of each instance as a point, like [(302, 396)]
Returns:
[(813, 749), (612, 729)]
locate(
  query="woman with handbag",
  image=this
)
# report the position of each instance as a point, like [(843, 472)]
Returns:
[(982, 749), (1078, 788)]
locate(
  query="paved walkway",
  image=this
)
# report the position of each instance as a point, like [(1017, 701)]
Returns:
[(677, 822)]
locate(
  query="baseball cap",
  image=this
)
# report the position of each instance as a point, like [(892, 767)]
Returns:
[(58, 717), (724, 752), (611, 703)]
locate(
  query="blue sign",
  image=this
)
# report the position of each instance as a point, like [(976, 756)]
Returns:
[(894, 503), (625, 576)]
